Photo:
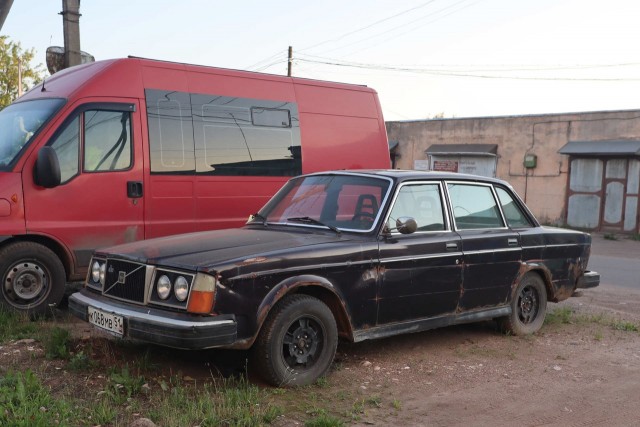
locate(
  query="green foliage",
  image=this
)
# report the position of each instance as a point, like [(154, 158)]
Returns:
[(124, 385), (12, 54), (226, 402), (15, 326), (610, 236), (56, 344), (561, 315), (25, 402), (625, 326), (322, 419)]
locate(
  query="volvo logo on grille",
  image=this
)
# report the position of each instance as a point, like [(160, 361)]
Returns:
[(122, 276), (111, 270)]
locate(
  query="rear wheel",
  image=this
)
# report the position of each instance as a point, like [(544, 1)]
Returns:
[(528, 307), (297, 342), (33, 278)]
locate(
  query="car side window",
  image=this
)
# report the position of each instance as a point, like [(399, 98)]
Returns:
[(67, 146), (423, 203), (474, 206), (107, 140), (512, 212)]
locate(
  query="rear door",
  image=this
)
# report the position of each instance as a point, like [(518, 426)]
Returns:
[(492, 251), (100, 199)]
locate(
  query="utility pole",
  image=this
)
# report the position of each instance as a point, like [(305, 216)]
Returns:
[(290, 61), (71, 27), (19, 78)]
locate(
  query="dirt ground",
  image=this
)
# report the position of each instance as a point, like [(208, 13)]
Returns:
[(583, 371)]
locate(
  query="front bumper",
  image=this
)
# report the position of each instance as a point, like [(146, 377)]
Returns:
[(590, 279), (156, 326)]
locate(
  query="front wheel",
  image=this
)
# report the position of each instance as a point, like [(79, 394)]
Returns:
[(528, 307), (297, 343), (33, 278)]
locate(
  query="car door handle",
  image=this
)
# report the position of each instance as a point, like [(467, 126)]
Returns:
[(512, 242), (452, 246), (134, 189)]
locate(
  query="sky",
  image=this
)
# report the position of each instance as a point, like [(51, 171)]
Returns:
[(456, 58)]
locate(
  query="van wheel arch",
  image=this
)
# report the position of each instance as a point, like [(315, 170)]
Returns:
[(53, 245)]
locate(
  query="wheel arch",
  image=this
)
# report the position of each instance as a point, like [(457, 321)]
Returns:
[(543, 272), (312, 285), (56, 247)]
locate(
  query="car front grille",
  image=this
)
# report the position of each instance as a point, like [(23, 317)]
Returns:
[(125, 280)]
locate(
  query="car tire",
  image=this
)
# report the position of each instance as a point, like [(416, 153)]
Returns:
[(528, 307), (33, 278), (297, 343)]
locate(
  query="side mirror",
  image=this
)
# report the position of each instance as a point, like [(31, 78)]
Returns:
[(47, 169), (406, 225)]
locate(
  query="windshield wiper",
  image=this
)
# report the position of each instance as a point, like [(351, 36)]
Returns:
[(309, 220), (257, 216)]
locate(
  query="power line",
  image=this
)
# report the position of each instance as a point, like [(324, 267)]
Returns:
[(407, 23), (460, 74), (368, 26)]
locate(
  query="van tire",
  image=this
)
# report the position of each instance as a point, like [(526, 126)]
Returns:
[(277, 361), (528, 307), (33, 278)]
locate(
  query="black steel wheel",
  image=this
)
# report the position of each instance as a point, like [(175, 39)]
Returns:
[(297, 343), (33, 278), (528, 307)]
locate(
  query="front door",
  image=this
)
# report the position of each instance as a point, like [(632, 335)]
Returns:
[(99, 201), (422, 271)]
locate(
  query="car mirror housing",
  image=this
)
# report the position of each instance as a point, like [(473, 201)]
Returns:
[(406, 225), (47, 170)]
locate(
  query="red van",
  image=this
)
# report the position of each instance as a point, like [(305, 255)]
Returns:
[(128, 149)]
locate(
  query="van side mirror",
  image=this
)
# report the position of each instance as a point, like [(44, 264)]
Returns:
[(47, 169)]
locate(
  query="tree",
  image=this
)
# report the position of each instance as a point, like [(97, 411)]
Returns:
[(11, 55)]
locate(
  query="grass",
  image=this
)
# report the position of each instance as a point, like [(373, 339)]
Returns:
[(566, 315), (15, 326), (635, 237), (25, 402), (57, 343), (610, 236)]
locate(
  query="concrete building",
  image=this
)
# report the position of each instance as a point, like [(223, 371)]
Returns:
[(578, 169)]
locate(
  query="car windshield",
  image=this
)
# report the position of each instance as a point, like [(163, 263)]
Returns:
[(19, 122), (343, 202)]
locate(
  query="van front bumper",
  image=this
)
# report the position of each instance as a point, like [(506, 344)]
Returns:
[(162, 327)]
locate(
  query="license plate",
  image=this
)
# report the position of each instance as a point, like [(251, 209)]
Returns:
[(107, 321)]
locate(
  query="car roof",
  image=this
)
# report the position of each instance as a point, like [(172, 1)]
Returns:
[(401, 175)]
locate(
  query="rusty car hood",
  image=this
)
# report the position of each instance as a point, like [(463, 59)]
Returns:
[(205, 250)]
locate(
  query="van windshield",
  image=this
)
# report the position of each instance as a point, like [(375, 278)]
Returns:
[(19, 122)]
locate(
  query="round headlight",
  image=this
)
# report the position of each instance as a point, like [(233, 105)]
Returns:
[(103, 272), (95, 272), (163, 287), (181, 288)]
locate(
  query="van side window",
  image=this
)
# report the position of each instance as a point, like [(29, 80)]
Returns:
[(222, 135), (107, 140), (67, 146), (474, 206), (512, 212)]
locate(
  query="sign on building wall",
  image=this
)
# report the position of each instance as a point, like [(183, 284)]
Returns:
[(475, 165), (445, 165), (421, 165)]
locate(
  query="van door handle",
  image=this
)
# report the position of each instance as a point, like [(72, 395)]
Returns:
[(134, 189), (452, 246), (512, 242)]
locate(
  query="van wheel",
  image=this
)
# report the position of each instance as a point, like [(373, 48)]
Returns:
[(33, 278), (297, 342), (528, 307)]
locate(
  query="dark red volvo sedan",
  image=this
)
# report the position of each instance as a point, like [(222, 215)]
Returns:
[(352, 254)]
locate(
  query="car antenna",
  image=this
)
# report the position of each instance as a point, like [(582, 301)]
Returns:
[(44, 80)]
